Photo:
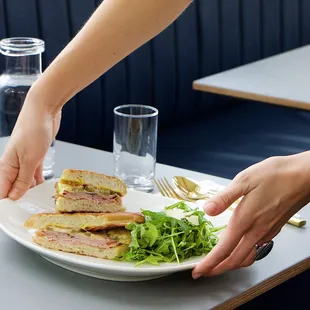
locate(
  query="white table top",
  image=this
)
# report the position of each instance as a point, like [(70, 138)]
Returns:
[(282, 79), (29, 282)]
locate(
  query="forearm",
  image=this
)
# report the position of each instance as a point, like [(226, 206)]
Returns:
[(117, 28)]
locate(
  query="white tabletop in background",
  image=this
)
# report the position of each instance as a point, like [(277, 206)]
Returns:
[(29, 282), (282, 79)]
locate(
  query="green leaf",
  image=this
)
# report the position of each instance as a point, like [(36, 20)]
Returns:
[(149, 233), (163, 238)]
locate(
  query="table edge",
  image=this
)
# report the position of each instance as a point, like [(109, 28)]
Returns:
[(265, 286), (251, 96)]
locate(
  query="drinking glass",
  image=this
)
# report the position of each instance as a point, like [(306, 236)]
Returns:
[(135, 145), (23, 66)]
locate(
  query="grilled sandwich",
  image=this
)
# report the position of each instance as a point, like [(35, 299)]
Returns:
[(85, 191)]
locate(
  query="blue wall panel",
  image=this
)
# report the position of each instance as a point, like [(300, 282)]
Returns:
[(210, 36), (291, 24), (89, 102), (56, 30)]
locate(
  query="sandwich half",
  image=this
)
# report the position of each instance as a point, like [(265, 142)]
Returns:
[(101, 235), (85, 191), (108, 244)]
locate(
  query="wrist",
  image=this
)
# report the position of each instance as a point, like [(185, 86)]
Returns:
[(301, 164), (44, 96), (305, 159)]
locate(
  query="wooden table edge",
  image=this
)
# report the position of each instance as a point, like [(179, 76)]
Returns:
[(251, 96), (264, 286)]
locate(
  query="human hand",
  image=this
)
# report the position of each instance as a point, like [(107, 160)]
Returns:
[(22, 162), (273, 191)]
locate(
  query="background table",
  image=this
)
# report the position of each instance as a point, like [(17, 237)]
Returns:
[(282, 79), (30, 282)]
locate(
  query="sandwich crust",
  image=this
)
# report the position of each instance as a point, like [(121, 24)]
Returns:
[(84, 221)]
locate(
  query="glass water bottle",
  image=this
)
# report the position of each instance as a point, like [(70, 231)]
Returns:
[(23, 65)]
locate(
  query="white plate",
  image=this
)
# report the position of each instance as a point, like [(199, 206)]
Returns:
[(39, 199)]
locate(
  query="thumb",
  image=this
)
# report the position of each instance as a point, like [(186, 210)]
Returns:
[(221, 201), (23, 181)]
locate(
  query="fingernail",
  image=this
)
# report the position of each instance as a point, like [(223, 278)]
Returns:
[(197, 275), (14, 194), (209, 206)]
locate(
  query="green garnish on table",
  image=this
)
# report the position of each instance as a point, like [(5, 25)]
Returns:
[(164, 238)]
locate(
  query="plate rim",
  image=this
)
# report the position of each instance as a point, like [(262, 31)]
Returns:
[(58, 255)]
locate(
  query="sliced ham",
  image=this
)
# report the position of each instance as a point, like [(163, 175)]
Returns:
[(79, 239), (91, 196)]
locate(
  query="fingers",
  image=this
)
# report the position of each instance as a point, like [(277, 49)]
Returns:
[(224, 257), (269, 236), (5, 185), (8, 175), (23, 181), (249, 260), (34, 183), (236, 247), (38, 176), (246, 263), (229, 240), (220, 202), (242, 255)]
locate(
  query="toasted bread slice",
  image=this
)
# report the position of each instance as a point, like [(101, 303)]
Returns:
[(106, 245), (85, 221), (102, 181)]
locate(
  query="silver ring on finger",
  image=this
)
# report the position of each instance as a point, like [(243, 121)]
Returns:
[(263, 250)]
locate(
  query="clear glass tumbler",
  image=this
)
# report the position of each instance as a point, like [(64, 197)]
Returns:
[(23, 66), (135, 145)]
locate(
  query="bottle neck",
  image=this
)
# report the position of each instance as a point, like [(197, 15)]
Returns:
[(23, 65)]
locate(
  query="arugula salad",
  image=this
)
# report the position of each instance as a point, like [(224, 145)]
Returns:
[(177, 233)]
